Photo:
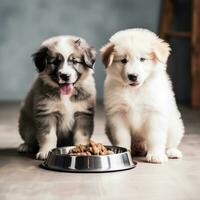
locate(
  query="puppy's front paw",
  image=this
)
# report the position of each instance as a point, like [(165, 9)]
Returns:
[(25, 148), (156, 157), (42, 155), (139, 149), (174, 153)]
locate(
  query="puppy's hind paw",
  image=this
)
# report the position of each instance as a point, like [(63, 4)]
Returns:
[(174, 153), (25, 148), (42, 155), (156, 158)]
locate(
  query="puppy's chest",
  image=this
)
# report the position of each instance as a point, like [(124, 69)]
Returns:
[(67, 111), (134, 109), (64, 110)]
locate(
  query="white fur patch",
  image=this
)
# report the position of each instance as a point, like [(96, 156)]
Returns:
[(174, 153), (46, 142)]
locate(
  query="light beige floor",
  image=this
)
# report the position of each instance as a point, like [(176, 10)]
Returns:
[(22, 179)]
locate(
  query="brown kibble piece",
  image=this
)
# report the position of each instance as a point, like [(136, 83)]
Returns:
[(92, 142)]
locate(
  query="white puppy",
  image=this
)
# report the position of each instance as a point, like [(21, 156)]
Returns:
[(141, 111)]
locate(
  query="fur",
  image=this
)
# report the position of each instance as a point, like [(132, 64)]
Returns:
[(49, 118), (141, 114)]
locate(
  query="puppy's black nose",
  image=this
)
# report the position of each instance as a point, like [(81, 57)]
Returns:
[(133, 77), (65, 77)]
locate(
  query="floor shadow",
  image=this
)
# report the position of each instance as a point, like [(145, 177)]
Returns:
[(11, 158), (140, 159), (13, 153)]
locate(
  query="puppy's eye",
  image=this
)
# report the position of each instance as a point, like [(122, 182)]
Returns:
[(74, 61), (55, 62), (142, 59), (124, 61)]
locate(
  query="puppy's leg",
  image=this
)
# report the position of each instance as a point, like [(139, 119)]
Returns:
[(138, 146), (175, 134), (47, 141), (83, 127), (25, 148), (27, 132), (118, 132), (46, 136), (156, 132)]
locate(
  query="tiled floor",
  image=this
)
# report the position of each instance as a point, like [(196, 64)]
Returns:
[(22, 179)]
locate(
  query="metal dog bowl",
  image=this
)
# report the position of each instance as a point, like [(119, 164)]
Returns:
[(59, 160)]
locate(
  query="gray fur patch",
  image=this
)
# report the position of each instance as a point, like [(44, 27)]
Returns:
[(36, 119), (84, 121), (79, 94)]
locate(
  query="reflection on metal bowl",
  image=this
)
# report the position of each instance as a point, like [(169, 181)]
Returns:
[(59, 160)]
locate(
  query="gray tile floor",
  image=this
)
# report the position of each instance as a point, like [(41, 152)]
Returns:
[(22, 179)]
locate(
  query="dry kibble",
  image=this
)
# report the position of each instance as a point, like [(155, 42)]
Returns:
[(96, 150), (90, 149), (110, 152), (81, 148), (103, 153), (88, 153)]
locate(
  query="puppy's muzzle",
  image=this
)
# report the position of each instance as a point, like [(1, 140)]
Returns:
[(133, 77), (64, 77)]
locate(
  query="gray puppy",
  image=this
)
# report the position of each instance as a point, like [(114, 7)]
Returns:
[(59, 108)]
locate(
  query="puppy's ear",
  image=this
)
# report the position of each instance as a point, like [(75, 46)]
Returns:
[(39, 58), (162, 50), (107, 54), (89, 56)]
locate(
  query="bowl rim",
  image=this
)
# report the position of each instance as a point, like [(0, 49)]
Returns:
[(53, 153), (45, 166), (67, 155)]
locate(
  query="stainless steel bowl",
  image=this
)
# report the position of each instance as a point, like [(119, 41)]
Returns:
[(58, 159)]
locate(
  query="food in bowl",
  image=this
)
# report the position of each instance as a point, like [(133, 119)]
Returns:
[(91, 148)]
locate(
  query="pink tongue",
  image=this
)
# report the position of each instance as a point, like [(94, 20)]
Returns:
[(66, 89)]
